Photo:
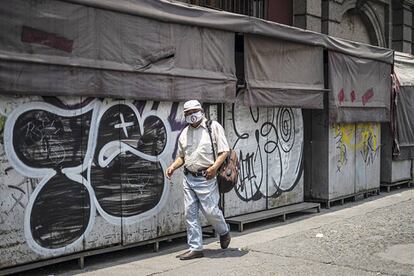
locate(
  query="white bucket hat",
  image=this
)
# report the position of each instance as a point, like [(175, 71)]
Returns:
[(191, 105)]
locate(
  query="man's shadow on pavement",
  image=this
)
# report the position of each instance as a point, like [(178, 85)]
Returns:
[(225, 253)]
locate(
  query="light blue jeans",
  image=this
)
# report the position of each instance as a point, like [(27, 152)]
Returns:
[(200, 193)]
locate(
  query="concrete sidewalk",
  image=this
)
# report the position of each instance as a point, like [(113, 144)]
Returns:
[(370, 237)]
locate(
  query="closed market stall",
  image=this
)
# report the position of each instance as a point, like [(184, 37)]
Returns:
[(346, 139), (398, 144)]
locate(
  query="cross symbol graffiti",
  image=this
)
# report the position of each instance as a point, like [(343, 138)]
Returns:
[(124, 125), (17, 201)]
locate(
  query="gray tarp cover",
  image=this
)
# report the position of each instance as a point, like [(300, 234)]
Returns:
[(146, 49), (281, 73), (360, 89), (404, 69), (177, 12), (60, 48)]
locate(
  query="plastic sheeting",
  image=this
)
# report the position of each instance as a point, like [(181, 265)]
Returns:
[(175, 12), (360, 89), (59, 48), (405, 122), (404, 70), (278, 73)]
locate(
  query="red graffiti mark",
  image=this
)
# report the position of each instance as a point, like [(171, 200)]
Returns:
[(341, 96), (353, 96), (30, 35), (367, 96)]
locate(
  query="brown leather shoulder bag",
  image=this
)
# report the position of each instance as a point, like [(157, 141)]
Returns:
[(228, 173)]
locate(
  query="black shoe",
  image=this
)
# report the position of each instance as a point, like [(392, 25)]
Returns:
[(191, 255), (182, 254), (225, 240)]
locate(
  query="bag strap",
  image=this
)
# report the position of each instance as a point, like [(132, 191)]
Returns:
[(208, 124)]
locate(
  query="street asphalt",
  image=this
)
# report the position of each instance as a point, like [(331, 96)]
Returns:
[(374, 236)]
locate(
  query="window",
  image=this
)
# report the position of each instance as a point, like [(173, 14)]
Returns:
[(254, 8)]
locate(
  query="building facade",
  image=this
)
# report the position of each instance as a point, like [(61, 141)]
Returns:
[(87, 131), (383, 23)]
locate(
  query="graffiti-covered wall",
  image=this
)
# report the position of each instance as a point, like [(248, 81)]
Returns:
[(346, 158), (354, 158), (80, 173), (83, 173), (269, 143)]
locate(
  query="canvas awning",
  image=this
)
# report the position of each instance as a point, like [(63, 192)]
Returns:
[(154, 50), (182, 13), (282, 73), (404, 70), (360, 89), (60, 48)]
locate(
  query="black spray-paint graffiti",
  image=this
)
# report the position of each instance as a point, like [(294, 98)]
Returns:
[(351, 139), (20, 189), (101, 156), (42, 139), (132, 180), (341, 149), (269, 143), (369, 150)]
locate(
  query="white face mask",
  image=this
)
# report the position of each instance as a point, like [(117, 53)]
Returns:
[(194, 118)]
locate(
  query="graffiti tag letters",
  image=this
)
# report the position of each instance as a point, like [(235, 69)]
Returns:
[(269, 142)]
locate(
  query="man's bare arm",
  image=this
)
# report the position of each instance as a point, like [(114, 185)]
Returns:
[(175, 165)]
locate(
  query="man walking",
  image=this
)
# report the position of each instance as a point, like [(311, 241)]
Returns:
[(200, 185)]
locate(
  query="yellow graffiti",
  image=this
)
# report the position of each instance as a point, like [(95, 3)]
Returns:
[(343, 134), (361, 138), (346, 132), (370, 147), (368, 134)]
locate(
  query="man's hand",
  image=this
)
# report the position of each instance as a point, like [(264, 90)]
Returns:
[(175, 165), (169, 172), (211, 172)]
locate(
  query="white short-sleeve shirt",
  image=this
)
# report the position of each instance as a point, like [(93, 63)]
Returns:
[(194, 145)]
